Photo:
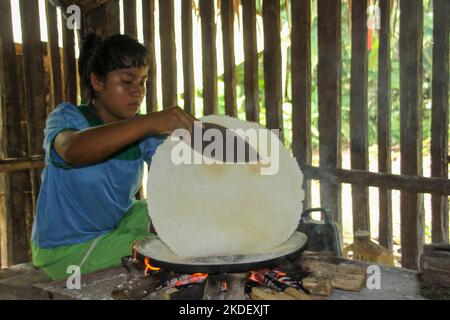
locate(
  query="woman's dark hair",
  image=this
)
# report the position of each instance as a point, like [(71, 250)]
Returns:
[(103, 55)]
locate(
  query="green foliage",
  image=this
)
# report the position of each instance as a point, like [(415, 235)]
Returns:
[(345, 79)]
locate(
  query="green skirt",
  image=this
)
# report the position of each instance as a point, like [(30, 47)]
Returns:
[(99, 253)]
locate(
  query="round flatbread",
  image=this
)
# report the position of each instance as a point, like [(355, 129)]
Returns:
[(225, 209)]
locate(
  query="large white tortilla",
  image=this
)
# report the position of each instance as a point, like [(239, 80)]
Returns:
[(224, 209)]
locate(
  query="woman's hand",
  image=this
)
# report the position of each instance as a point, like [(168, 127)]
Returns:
[(174, 118)]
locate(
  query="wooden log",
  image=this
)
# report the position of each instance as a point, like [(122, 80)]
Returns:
[(269, 294), (148, 13), (272, 66), (381, 180), (168, 53), (301, 87), (317, 285), (343, 277), (209, 57), (412, 217), (439, 126), (435, 265), (384, 123), (359, 122), (329, 87), (188, 57), (129, 18), (15, 187), (251, 61), (227, 18), (53, 48)]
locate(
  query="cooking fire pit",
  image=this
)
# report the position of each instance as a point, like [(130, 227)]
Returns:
[(225, 275)]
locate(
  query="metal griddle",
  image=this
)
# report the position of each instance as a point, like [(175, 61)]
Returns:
[(161, 256)]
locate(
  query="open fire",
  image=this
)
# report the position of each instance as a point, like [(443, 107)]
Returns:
[(248, 285)]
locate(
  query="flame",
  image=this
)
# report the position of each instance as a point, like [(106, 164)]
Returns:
[(148, 266)]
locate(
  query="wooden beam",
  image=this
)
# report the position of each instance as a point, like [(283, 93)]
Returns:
[(129, 18), (359, 122), (188, 57), (384, 123), (168, 53), (412, 184), (148, 13), (18, 164), (412, 217), (251, 61), (272, 65), (209, 57), (329, 86), (301, 86), (439, 126), (227, 18)]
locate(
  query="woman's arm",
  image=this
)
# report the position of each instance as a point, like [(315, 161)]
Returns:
[(96, 144)]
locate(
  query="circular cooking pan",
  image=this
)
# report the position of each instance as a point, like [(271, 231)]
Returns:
[(162, 257)]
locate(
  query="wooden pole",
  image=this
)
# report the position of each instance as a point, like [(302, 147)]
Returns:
[(301, 87), (329, 86), (129, 18), (227, 18), (412, 217), (272, 65), (439, 127), (251, 61), (168, 53), (209, 57), (188, 57), (359, 122), (384, 123), (148, 13)]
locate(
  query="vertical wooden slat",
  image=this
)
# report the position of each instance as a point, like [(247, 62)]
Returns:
[(359, 114), (301, 87), (53, 48), (188, 57), (168, 53), (412, 219), (129, 18), (329, 86), (148, 13), (104, 20), (439, 127), (16, 186), (251, 61), (227, 18), (69, 64), (384, 123), (35, 91), (272, 65), (209, 56)]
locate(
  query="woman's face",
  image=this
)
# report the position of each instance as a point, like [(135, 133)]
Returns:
[(120, 95)]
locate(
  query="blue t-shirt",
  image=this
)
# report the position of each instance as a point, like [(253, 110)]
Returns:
[(77, 204)]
